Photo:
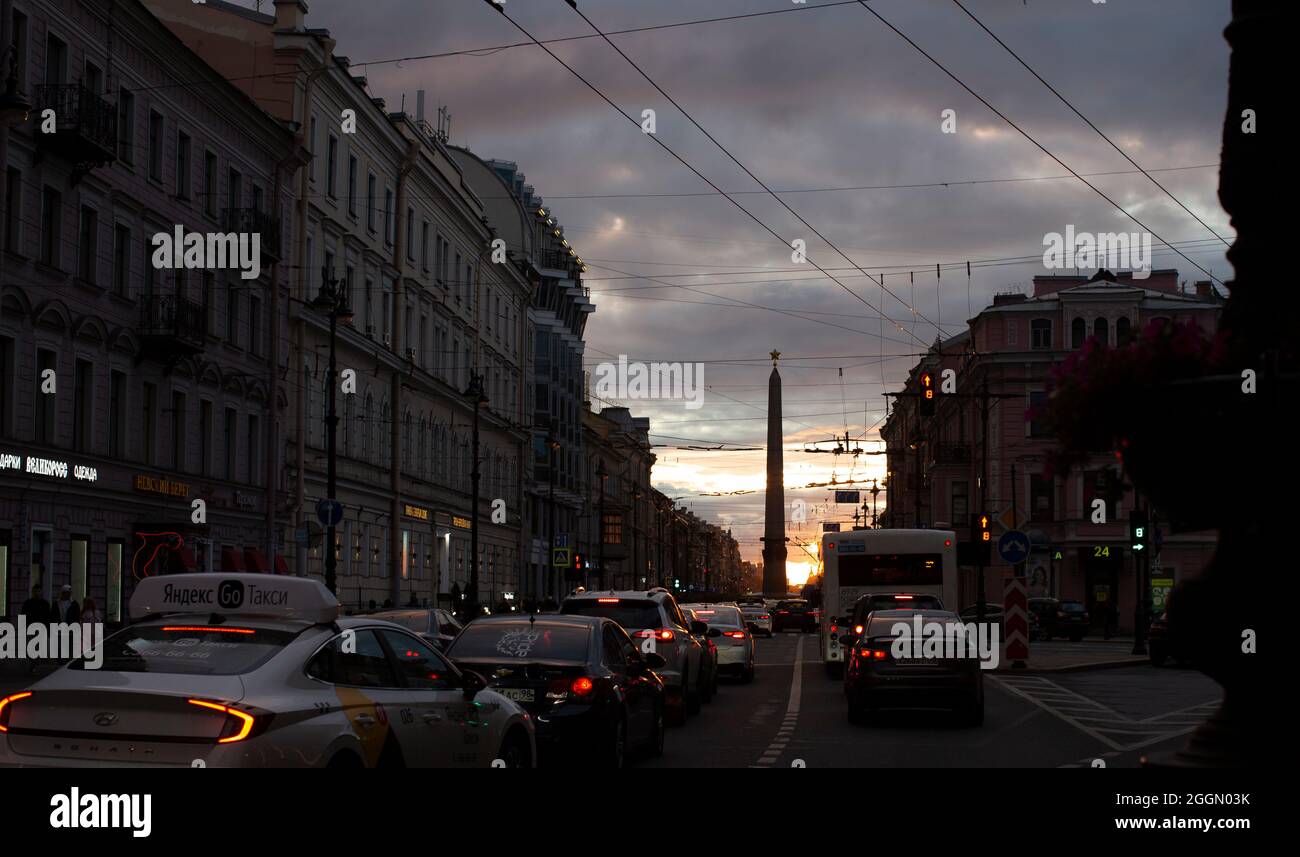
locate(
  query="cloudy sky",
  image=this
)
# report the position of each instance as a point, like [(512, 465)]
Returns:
[(825, 104)]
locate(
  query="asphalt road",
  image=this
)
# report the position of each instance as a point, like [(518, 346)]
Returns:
[(794, 715)]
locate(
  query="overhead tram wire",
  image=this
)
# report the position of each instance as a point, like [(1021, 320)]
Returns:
[(655, 138), (1089, 122), (1030, 137), (912, 307)]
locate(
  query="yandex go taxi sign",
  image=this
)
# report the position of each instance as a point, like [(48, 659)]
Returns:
[(235, 595)]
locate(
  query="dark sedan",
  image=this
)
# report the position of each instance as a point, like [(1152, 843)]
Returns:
[(435, 625), (1060, 618), (794, 613), (593, 694), (875, 678)]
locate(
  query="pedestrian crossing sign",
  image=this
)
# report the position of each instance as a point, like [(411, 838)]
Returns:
[(560, 557)]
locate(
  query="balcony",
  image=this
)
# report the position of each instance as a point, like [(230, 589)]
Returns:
[(171, 327), (251, 220), (556, 259), (85, 126)]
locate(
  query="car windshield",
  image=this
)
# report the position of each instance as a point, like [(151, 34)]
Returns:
[(721, 617), (633, 615), (190, 649), (883, 626), (793, 606), (522, 641), (1072, 607)]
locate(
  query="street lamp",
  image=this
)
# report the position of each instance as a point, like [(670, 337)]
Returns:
[(333, 302), (602, 475), (552, 444), (474, 392)]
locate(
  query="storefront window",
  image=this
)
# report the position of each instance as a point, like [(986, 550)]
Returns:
[(113, 605), (4, 573), (406, 554), (80, 548)]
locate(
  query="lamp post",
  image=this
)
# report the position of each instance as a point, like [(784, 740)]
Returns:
[(474, 392), (333, 302), (602, 475), (549, 571)]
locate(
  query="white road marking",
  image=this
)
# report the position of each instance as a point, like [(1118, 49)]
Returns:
[(791, 710)]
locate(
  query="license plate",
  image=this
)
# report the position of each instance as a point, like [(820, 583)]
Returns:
[(914, 662), (518, 694)]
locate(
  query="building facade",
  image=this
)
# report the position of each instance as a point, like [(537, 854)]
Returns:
[(936, 463), (139, 400)]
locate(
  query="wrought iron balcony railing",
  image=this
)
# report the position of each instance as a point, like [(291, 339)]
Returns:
[(85, 123), (250, 220), (171, 324)]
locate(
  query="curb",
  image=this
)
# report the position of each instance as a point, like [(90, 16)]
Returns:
[(1071, 668)]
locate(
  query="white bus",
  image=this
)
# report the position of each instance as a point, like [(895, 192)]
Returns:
[(869, 562)]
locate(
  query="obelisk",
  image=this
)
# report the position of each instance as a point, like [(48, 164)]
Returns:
[(774, 582)]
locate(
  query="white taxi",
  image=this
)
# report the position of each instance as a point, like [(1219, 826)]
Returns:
[(257, 670)]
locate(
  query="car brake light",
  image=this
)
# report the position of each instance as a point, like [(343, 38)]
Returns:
[(606, 600), (765, 616), (241, 722), (902, 597), (4, 704), (782, 612), (739, 635), (203, 629), (582, 685), (665, 634), (857, 629), (879, 654)]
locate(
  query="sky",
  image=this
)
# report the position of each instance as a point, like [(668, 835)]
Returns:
[(824, 99)]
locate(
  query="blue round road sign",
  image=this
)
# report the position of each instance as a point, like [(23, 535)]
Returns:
[(329, 512), (1013, 546)]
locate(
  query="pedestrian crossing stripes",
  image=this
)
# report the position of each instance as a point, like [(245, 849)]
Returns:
[(1115, 730)]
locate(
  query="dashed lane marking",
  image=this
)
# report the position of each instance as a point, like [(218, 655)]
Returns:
[(791, 718)]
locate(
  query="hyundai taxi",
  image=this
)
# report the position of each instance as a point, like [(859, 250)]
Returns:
[(257, 670)]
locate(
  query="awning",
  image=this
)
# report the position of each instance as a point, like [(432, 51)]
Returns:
[(255, 560), (281, 567), (231, 561)]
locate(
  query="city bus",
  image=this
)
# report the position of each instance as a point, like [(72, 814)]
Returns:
[(869, 562)]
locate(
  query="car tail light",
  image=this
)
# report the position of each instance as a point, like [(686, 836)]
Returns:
[(783, 612), (205, 629), (582, 685), (765, 616), (858, 629), (739, 635), (5, 704), (239, 724), (665, 634), (606, 600), (903, 597), (879, 654)]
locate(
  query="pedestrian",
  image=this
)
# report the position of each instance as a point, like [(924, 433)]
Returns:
[(90, 613), (373, 607), (36, 608), (414, 602), (388, 603), (65, 609)]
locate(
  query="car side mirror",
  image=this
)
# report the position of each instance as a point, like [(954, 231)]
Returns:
[(654, 660), (715, 632), (473, 684), (698, 627)]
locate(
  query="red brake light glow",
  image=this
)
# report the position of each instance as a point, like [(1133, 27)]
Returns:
[(665, 634), (739, 635), (582, 686), (902, 598), (205, 629), (879, 654), (606, 600), (245, 720), (857, 629), (4, 703)]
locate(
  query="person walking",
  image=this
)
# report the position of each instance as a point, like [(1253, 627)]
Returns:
[(36, 608), (65, 609), (90, 613)]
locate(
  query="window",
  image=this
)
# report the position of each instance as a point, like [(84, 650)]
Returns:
[(424, 246), (155, 145), (46, 403), (13, 210), (148, 412), (178, 431), (612, 529), (1102, 485), (232, 443), (439, 266), (113, 585), (1040, 333), (20, 49), (255, 325), (56, 61), (331, 166), (87, 241), (410, 233), (1078, 332), (234, 189), (1101, 330), (315, 123), (960, 508), (360, 663), (83, 403), (1042, 498), (352, 185), (121, 259), (150, 273), (205, 437), (419, 666), (390, 227), (232, 314), (254, 457), (51, 226), (116, 414), (93, 79), (182, 165), (210, 184), (125, 126), (1123, 332), (6, 387), (370, 202), (208, 299)]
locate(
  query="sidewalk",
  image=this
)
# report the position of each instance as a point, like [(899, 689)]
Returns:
[(1073, 657)]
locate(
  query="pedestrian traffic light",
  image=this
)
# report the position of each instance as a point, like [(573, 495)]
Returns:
[(578, 560), (1138, 529), (929, 394)]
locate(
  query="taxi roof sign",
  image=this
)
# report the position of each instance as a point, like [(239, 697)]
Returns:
[(271, 595)]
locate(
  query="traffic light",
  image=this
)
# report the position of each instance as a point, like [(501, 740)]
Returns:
[(979, 529), (1139, 529), (929, 394)]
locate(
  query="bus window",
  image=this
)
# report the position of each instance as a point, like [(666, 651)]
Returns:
[(892, 570)]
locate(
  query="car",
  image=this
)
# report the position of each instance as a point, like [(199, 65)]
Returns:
[(433, 624), (735, 642), (653, 619), (1060, 618), (757, 615), (592, 694), (992, 614), (874, 679), (256, 670), (793, 613), (868, 604), (709, 671)]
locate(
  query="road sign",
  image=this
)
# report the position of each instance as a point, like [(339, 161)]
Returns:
[(560, 558), (1015, 618), (830, 526), (329, 513), (1013, 547), (561, 540), (846, 497), (1012, 523)]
